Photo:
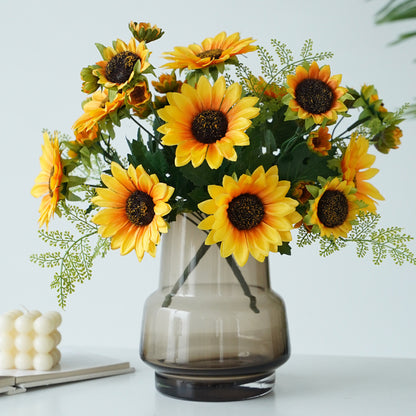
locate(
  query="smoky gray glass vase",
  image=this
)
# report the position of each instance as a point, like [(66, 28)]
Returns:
[(212, 331)]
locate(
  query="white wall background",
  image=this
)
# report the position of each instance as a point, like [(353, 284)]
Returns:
[(338, 305)]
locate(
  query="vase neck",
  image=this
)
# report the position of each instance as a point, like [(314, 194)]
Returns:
[(186, 257)]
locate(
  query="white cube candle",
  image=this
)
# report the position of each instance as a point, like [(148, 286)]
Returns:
[(44, 343), (43, 362), (29, 340), (24, 323), (23, 361), (6, 360), (56, 355), (56, 335), (44, 325), (23, 342), (6, 342)]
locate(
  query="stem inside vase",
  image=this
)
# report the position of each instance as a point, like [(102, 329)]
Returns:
[(194, 263)]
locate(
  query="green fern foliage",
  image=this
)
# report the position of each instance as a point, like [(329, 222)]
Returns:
[(380, 242), (76, 253)]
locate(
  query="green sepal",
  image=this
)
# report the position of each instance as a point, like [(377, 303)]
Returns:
[(316, 229), (361, 204), (213, 72), (114, 117), (100, 48), (112, 93), (323, 181), (192, 77), (359, 102), (290, 115), (231, 61), (313, 190), (309, 123), (286, 99), (149, 70), (347, 96)]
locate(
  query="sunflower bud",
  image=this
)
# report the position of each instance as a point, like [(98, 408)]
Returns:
[(301, 193), (160, 102), (167, 83), (355, 96), (370, 94), (269, 91), (144, 32), (388, 139), (138, 95), (90, 81)]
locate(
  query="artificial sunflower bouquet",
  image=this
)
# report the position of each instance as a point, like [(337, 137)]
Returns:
[(256, 157)]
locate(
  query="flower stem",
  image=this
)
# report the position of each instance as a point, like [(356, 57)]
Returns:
[(191, 266), (194, 262), (188, 269), (237, 273), (141, 126), (353, 126)]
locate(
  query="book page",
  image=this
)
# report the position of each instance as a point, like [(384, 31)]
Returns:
[(74, 366)]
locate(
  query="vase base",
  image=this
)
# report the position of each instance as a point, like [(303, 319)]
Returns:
[(215, 389)]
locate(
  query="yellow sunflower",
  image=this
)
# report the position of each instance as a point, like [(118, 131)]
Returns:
[(334, 209), (249, 216), (206, 122), (134, 204), (212, 51), (319, 141), (356, 168), (48, 182), (117, 69), (95, 110), (315, 94)]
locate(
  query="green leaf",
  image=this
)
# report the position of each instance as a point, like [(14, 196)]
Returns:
[(300, 164), (402, 11), (285, 249), (201, 175), (403, 37), (282, 130)]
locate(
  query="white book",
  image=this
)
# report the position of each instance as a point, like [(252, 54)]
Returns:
[(74, 366)]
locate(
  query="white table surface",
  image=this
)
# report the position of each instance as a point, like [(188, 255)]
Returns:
[(305, 386)]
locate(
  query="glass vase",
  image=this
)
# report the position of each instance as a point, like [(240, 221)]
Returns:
[(212, 331)]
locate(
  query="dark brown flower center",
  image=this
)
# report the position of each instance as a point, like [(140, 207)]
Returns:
[(209, 126), (139, 95), (332, 208), (212, 53), (314, 96), (317, 141), (245, 211), (139, 208), (120, 66)]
